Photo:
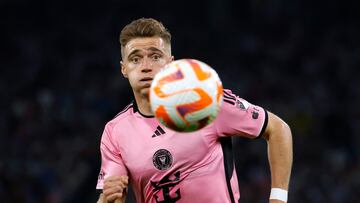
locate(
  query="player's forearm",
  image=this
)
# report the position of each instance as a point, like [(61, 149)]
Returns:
[(280, 153), (103, 200)]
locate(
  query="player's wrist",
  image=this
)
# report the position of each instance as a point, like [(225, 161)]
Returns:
[(278, 194)]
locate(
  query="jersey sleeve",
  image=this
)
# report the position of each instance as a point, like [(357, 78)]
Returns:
[(111, 160), (239, 117)]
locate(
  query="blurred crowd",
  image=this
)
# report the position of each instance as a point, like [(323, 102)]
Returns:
[(60, 83)]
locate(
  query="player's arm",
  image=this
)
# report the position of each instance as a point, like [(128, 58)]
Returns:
[(239, 117), (114, 190), (280, 152), (113, 179), (102, 199)]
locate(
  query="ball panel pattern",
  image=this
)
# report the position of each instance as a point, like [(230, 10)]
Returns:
[(186, 95)]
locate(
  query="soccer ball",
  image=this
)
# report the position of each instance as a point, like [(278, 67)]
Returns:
[(186, 95)]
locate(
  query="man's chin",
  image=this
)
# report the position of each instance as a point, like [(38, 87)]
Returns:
[(145, 91), (142, 91)]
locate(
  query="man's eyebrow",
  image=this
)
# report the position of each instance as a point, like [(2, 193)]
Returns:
[(133, 52), (154, 49)]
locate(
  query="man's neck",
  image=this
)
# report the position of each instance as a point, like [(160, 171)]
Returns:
[(143, 104)]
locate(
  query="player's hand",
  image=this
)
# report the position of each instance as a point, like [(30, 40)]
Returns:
[(115, 188)]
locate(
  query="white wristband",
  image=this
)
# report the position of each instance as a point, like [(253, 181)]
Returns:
[(279, 194)]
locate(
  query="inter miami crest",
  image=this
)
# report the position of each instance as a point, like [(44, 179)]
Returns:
[(255, 113), (162, 159)]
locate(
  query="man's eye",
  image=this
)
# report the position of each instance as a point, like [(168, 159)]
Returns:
[(135, 59), (156, 57)]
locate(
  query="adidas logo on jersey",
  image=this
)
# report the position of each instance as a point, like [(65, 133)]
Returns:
[(159, 131)]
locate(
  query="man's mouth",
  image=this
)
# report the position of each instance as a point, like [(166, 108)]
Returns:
[(146, 79)]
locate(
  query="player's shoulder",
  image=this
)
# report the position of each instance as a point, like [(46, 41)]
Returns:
[(227, 91), (121, 116), (234, 100), (229, 97), (124, 112)]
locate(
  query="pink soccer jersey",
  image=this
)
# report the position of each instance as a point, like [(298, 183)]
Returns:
[(167, 166)]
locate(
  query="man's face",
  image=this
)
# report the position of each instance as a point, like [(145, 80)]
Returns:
[(142, 59)]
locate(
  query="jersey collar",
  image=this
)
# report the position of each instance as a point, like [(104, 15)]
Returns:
[(136, 109)]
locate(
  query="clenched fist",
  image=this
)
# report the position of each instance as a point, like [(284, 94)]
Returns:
[(115, 188)]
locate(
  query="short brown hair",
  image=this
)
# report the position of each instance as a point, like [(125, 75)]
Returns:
[(144, 27)]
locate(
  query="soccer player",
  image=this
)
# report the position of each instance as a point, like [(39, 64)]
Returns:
[(165, 166)]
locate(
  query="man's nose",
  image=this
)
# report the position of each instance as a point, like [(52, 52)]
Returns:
[(147, 65)]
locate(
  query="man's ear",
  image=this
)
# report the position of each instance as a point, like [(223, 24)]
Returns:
[(172, 58), (123, 69)]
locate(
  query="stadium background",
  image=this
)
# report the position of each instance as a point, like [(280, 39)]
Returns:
[(60, 83)]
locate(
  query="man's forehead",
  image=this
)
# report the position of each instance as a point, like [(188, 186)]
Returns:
[(145, 44)]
